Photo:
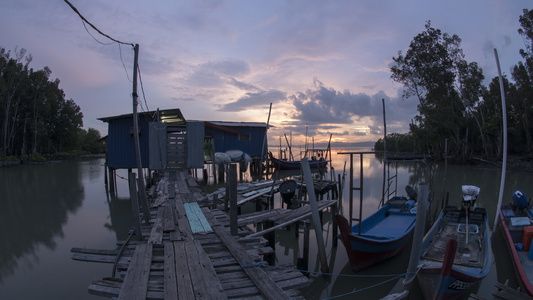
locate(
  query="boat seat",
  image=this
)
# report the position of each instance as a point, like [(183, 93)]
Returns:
[(394, 226)]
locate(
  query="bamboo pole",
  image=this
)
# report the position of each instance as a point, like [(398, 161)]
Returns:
[(504, 163)]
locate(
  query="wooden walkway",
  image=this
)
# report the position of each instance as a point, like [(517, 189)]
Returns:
[(253, 191), (188, 253)]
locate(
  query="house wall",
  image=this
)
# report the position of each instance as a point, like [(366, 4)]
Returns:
[(226, 141), (121, 143)]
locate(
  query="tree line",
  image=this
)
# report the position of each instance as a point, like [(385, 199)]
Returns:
[(36, 119), (458, 116)]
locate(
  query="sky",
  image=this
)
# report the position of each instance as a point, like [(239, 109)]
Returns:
[(324, 65)]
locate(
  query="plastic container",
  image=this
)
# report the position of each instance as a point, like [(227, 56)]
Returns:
[(527, 237), (530, 254)]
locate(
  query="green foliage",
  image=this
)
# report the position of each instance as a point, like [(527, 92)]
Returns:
[(397, 142), (454, 107), (90, 141), (433, 69), (35, 117)]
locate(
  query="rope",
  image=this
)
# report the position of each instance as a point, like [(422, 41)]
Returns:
[(364, 289), (321, 273)]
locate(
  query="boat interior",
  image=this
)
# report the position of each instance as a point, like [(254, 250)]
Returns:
[(470, 242)]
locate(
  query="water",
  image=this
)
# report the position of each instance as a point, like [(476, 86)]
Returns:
[(48, 209), (45, 211)]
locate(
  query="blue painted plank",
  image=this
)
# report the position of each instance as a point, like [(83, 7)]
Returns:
[(196, 217)]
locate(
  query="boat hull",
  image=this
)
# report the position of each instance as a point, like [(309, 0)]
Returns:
[(296, 164), (453, 286), (383, 235), (452, 274), (505, 218)]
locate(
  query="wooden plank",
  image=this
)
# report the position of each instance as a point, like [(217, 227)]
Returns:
[(203, 276), (259, 216), (156, 235), (267, 286), (243, 201), (168, 221), (135, 283), (197, 220), (181, 218), (170, 283), (183, 278)]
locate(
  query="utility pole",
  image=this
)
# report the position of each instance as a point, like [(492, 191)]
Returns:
[(140, 178)]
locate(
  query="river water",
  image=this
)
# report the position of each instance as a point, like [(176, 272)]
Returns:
[(48, 209)]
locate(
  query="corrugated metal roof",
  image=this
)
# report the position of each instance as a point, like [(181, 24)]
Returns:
[(171, 116), (239, 124)]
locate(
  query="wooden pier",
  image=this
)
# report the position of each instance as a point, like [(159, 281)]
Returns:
[(187, 252)]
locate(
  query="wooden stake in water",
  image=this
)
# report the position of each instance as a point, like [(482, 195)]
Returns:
[(314, 214)]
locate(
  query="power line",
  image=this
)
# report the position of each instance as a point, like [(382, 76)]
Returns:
[(94, 27), (125, 70), (142, 87), (84, 20)]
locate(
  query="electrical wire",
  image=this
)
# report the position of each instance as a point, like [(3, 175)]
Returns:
[(84, 22), (94, 27), (142, 87), (124, 65)]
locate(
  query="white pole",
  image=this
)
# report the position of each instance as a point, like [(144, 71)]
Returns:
[(418, 236), (314, 214), (504, 164)]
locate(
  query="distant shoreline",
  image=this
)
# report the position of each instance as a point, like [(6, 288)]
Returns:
[(10, 163)]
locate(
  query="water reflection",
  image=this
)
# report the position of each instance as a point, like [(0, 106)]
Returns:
[(35, 203), (121, 216), (445, 184)]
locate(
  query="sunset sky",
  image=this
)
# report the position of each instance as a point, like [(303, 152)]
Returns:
[(324, 65)]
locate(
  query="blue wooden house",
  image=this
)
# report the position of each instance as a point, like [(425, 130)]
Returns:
[(153, 132), (167, 140), (249, 137)]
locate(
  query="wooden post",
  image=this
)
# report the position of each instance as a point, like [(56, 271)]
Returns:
[(135, 205), (314, 213), (112, 179), (265, 142), (140, 179), (215, 199), (305, 258), (384, 155), (213, 164), (232, 183), (419, 232), (335, 232)]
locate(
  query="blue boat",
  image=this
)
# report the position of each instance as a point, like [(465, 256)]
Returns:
[(380, 236), (456, 253), (515, 219)]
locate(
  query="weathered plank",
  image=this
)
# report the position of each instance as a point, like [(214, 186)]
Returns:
[(181, 218), (170, 282), (135, 283), (168, 221), (181, 260), (197, 220), (156, 235), (267, 286), (203, 276)]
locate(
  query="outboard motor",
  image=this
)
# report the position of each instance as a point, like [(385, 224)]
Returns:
[(411, 193), (520, 200), (287, 189), (470, 193)]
